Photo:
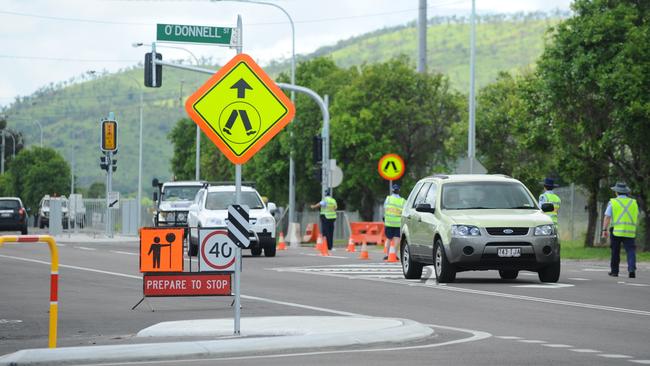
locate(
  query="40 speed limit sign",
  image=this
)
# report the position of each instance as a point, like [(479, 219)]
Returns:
[(216, 253)]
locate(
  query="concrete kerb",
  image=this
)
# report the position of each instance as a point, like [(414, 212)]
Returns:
[(94, 238), (259, 335)]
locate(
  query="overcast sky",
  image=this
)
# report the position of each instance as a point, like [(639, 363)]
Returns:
[(47, 41)]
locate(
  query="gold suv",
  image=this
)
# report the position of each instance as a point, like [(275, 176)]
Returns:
[(477, 222)]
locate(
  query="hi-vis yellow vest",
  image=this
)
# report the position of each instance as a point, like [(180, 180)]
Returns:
[(555, 200), (625, 215), (329, 210), (393, 211)]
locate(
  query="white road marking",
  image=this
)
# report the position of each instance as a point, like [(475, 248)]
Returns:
[(10, 321), (578, 279), (121, 252), (557, 345), (635, 284), (528, 274), (584, 350), (546, 285), (60, 245), (508, 337), (596, 269), (532, 341), (643, 362), (86, 248), (431, 283), (476, 334), (606, 355)]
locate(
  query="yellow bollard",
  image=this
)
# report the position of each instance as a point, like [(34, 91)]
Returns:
[(54, 276)]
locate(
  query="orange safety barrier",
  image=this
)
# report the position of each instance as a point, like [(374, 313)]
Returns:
[(54, 277), (311, 233), (369, 232)]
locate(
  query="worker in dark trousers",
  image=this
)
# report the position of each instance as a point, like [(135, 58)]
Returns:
[(327, 217)]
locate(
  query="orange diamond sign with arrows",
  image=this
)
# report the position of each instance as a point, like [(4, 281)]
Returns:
[(240, 109)]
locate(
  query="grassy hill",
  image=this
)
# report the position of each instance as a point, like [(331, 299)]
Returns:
[(70, 110)]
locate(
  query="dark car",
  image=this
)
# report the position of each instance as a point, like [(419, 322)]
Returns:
[(13, 216)]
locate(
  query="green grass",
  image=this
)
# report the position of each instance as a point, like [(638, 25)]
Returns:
[(575, 249)]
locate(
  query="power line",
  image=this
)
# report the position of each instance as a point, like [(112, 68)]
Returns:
[(317, 20), (63, 59)]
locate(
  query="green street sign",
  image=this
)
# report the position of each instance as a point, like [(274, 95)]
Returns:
[(196, 34)]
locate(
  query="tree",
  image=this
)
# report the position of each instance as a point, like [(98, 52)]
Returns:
[(96, 190), (595, 75), (38, 171), (390, 108), (183, 137), (512, 127)]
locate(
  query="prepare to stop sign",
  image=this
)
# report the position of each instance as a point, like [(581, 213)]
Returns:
[(217, 252)]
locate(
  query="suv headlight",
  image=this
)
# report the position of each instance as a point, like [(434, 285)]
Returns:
[(465, 230), (544, 230), (266, 221)]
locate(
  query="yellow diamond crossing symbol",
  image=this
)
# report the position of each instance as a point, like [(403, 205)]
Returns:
[(240, 109)]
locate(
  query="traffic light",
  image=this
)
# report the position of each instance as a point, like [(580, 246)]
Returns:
[(114, 165), (149, 70), (103, 162), (317, 149), (109, 135)]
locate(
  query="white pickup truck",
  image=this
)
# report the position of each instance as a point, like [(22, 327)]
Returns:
[(173, 200)]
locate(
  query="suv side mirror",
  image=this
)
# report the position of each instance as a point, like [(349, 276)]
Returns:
[(271, 207), (424, 207), (155, 196), (548, 207)]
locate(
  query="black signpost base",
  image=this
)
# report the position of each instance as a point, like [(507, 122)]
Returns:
[(144, 298)]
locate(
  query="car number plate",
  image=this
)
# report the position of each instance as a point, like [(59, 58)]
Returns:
[(6, 215), (509, 252)]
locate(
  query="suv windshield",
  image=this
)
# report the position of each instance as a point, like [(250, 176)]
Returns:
[(221, 200), (9, 204), (485, 195), (180, 193)]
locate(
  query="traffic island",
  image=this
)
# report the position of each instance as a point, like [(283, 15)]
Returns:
[(259, 335)]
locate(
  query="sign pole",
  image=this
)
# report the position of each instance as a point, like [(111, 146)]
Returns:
[(237, 201)]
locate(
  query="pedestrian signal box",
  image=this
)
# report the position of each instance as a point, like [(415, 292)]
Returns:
[(109, 135), (161, 249)]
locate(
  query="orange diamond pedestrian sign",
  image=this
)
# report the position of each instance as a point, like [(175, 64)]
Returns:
[(240, 109)]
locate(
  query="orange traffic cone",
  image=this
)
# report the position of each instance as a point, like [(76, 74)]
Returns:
[(364, 251), (386, 245), (392, 255), (282, 245), (351, 247), (324, 250), (319, 243)]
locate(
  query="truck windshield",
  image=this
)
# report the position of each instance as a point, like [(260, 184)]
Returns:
[(221, 200), (486, 195), (180, 193)]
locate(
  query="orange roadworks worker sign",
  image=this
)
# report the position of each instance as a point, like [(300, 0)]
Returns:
[(161, 249), (240, 109), (391, 167)]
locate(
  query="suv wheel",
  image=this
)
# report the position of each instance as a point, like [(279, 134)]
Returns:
[(256, 250), (550, 273), (40, 223), (412, 269), (445, 272), (23, 230), (269, 249), (193, 249), (508, 274)]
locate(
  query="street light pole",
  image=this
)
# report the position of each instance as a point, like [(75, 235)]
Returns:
[(139, 196), (197, 163), (292, 173), (41, 127)]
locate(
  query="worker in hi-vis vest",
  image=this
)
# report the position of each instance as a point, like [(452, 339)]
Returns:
[(550, 197), (393, 206), (623, 214), (327, 217)]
